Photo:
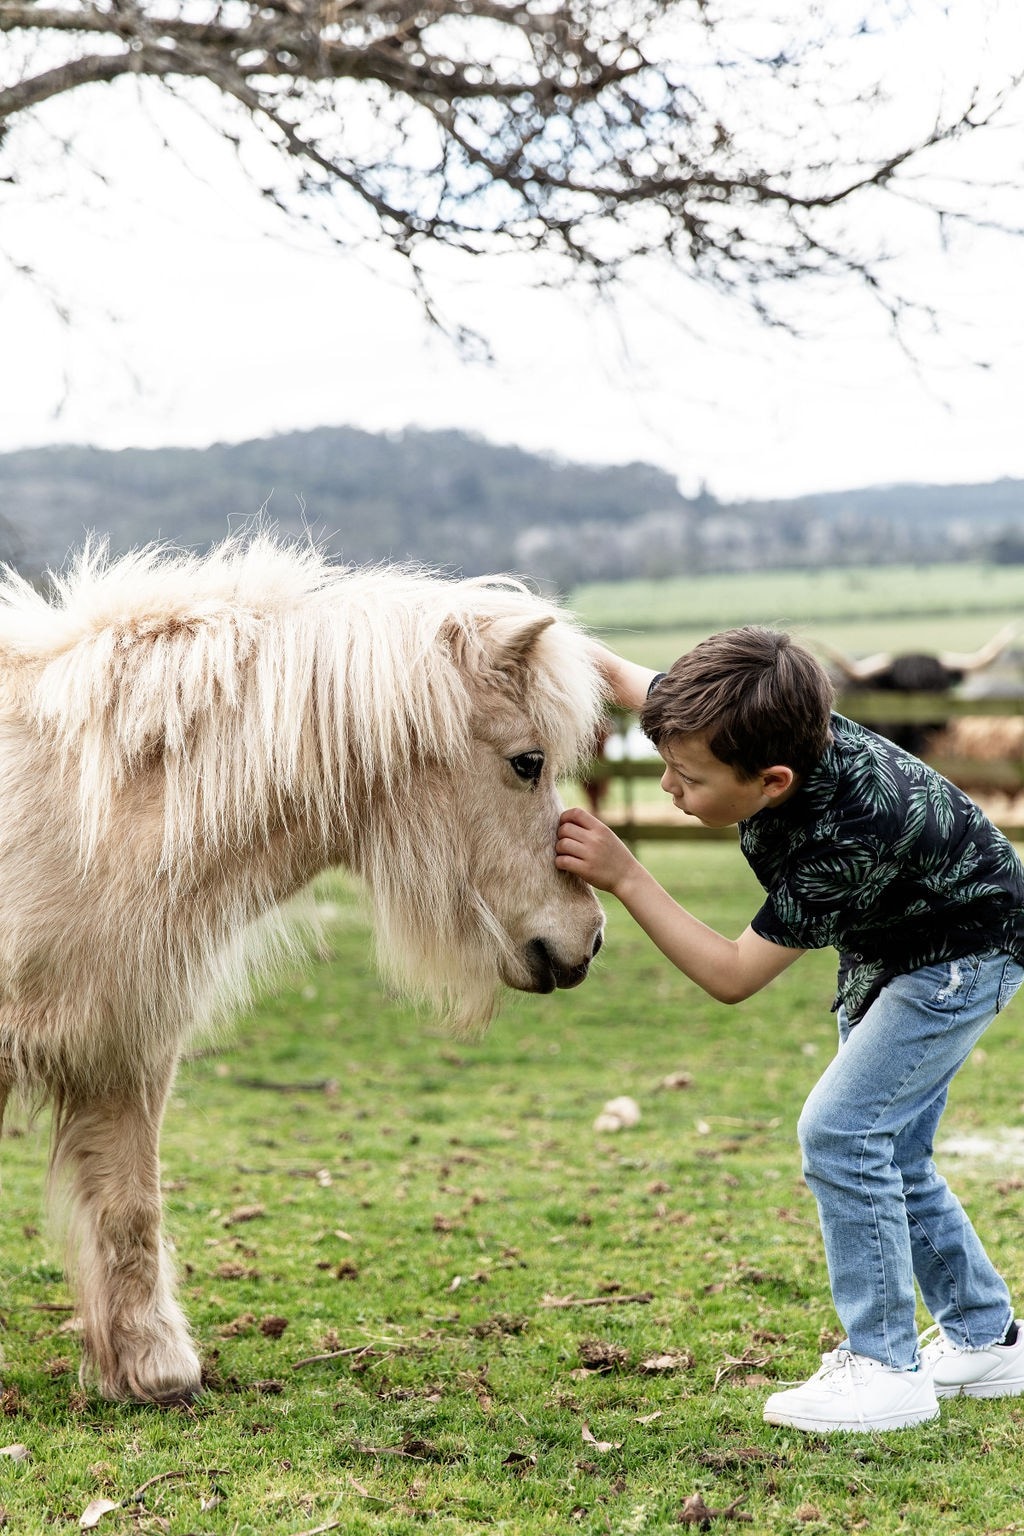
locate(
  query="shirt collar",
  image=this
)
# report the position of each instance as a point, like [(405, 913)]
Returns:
[(818, 789)]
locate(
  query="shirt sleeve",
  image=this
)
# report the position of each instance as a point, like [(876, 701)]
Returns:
[(767, 924)]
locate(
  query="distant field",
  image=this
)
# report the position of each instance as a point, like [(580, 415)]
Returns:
[(858, 609)]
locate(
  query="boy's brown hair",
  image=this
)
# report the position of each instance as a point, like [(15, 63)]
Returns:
[(759, 698)]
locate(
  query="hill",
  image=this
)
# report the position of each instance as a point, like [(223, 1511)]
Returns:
[(446, 498), (452, 499)]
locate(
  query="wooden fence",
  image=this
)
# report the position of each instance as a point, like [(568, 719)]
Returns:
[(1002, 778)]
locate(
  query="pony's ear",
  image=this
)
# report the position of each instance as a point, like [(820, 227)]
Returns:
[(509, 642)]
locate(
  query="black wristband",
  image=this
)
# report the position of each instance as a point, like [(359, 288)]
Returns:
[(659, 677)]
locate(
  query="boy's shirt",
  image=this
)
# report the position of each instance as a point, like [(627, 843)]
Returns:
[(880, 856)]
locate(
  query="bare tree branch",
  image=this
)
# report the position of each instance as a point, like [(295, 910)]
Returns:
[(597, 132)]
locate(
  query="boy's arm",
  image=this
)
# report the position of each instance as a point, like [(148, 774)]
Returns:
[(627, 681), (729, 970)]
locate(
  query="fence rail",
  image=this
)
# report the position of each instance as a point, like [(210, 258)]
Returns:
[(1003, 776)]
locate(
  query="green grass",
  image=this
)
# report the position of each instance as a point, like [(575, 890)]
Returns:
[(418, 1200), (859, 609)]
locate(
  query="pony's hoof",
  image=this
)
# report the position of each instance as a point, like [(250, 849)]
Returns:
[(178, 1397), (162, 1384), (156, 1397)]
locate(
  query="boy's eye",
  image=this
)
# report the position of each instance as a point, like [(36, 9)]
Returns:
[(528, 766)]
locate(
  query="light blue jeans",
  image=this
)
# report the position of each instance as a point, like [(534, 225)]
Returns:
[(867, 1132)]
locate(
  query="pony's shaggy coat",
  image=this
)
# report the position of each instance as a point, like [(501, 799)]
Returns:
[(184, 743)]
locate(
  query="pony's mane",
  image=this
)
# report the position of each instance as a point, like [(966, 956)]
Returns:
[(268, 684)]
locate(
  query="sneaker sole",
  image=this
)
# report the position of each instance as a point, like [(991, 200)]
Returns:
[(981, 1389), (834, 1426)]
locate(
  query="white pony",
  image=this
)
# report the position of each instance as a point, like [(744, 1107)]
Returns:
[(184, 743)]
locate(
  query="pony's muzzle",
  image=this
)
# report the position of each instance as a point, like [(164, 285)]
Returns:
[(547, 971)]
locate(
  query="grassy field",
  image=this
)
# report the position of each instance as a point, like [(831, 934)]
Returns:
[(387, 1239), (859, 609)]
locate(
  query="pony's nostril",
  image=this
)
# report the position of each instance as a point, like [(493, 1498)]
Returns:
[(598, 941), (542, 966)]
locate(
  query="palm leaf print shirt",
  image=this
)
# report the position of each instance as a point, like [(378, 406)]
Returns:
[(881, 857)]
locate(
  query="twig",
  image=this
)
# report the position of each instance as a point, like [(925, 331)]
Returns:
[(641, 1298), (385, 1450), (166, 1477), (333, 1354), (318, 1085), (736, 1363)]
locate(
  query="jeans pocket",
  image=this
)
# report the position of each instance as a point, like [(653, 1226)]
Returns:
[(1013, 975)]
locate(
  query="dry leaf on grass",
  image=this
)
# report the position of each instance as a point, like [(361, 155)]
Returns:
[(243, 1213), (671, 1360), (600, 1445), (93, 1513), (520, 1461)]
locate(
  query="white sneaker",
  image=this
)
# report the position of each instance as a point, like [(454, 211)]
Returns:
[(955, 1372), (854, 1392)]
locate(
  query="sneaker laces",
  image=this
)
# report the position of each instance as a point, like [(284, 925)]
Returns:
[(836, 1361), (847, 1371), (844, 1364)]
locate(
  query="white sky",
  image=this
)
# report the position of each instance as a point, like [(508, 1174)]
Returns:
[(201, 316)]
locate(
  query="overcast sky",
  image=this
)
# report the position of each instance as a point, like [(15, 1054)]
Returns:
[(199, 315)]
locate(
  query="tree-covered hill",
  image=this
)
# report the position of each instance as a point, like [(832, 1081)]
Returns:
[(446, 498), (453, 500)]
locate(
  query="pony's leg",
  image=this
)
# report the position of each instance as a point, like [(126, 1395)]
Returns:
[(135, 1337), (5, 1093)]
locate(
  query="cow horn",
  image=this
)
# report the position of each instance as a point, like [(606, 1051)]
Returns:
[(859, 670), (975, 661)]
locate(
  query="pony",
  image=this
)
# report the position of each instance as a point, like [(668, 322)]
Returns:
[(185, 742)]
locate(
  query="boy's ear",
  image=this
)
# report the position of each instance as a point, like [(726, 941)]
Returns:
[(778, 780)]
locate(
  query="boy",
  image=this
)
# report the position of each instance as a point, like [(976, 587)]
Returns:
[(861, 846)]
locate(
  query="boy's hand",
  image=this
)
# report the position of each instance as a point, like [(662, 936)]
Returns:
[(586, 847), (627, 681), (727, 969)]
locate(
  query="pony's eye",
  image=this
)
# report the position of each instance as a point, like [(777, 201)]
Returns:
[(528, 766)]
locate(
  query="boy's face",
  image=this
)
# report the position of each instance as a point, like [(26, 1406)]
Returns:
[(703, 786)]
